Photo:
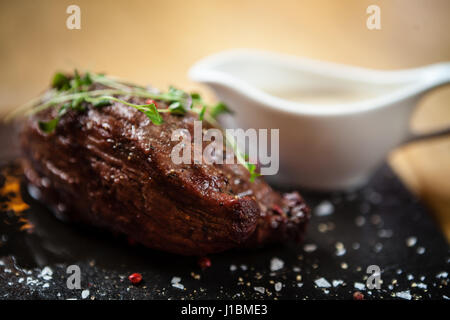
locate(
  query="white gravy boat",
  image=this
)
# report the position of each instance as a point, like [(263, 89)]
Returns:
[(337, 123)]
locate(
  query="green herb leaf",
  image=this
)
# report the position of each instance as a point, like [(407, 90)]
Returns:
[(218, 109), (100, 103), (151, 112), (64, 109), (60, 82), (87, 80), (176, 92), (252, 169), (177, 95), (76, 82), (195, 96), (148, 109), (77, 103), (202, 113), (48, 126), (177, 108)]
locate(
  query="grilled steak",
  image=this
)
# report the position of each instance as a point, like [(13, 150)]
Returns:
[(111, 168)]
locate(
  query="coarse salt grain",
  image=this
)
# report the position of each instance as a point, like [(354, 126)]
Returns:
[(175, 280), (404, 295), (337, 283), (420, 250), (276, 264), (360, 221), (259, 289), (278, 286), (325, 208), (84, 294), (411, 241), (359, 286), (322, 283), (178, 286), (311, 247)]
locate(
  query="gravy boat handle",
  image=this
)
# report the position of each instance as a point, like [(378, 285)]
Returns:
[(429, 135), (435, 76)]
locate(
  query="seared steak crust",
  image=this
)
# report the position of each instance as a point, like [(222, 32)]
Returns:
[(111, 168)]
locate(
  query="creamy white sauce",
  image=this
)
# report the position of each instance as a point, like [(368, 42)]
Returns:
[(324, 96)]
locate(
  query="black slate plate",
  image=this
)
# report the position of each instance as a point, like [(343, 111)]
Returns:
[(373, 226)]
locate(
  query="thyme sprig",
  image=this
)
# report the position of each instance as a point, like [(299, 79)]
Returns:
[(73, 93)]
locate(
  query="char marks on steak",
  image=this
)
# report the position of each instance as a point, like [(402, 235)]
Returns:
[(111, 168)]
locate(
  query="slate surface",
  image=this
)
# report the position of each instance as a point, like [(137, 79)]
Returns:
[(382, 224)]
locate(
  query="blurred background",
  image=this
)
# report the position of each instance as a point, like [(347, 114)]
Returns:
[(155, 42)]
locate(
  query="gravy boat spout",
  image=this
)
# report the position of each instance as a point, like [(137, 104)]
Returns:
[(337, 123)]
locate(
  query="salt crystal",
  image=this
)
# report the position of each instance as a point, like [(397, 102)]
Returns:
[(278, 286), (31, 281), (276, 264), (340, 249), (322, 227), (442, 275), (233, 267), (84, 294), (420, 250), (411, 241), (404, 295), (385, 233), (259, 289), (359, 286), (310, 247), (360, 221), (175, 280), (337, 283), (322, 283), (378, 247), (46, 272), (178, 286), (422, 286), (325, 208)]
